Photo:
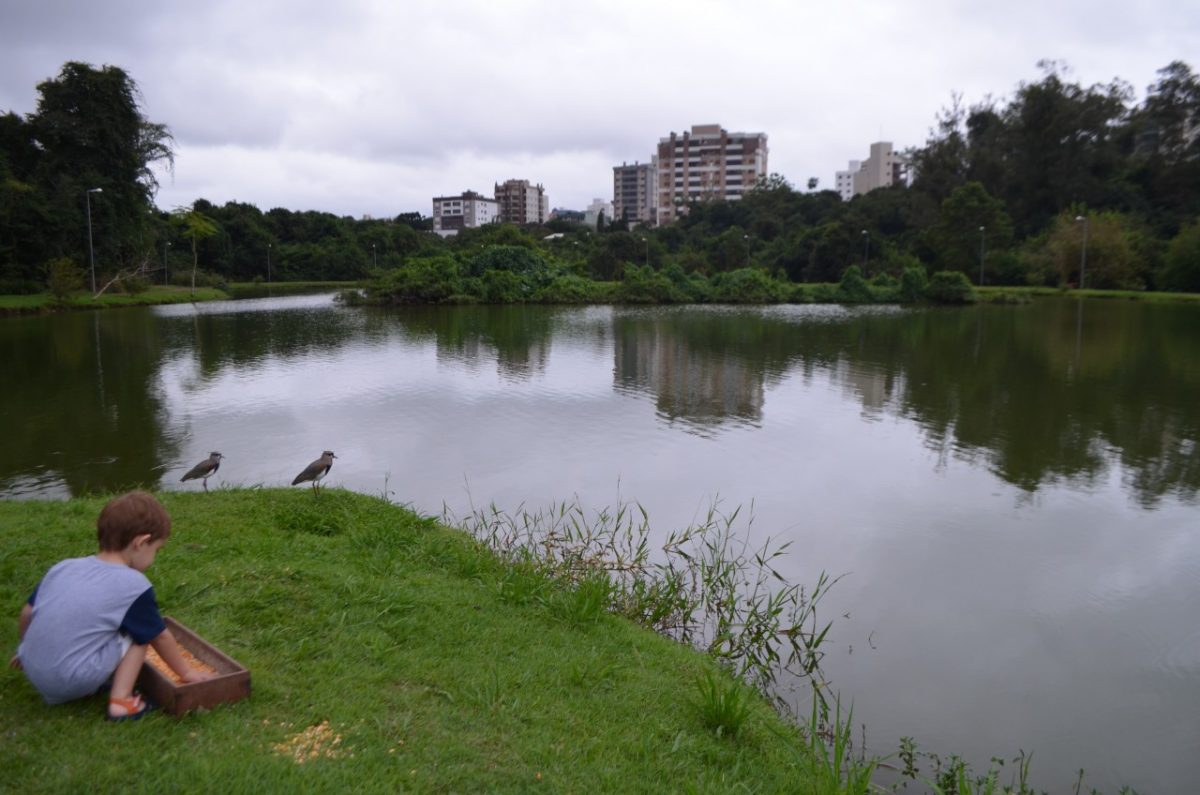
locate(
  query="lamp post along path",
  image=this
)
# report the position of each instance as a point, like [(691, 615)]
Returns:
[(982, 230), (1083, 252), (91, 252)]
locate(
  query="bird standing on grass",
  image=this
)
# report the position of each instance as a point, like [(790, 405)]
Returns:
[(316, 470), (204, 470)]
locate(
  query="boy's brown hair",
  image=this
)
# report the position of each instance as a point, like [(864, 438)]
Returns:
[(126, 517)]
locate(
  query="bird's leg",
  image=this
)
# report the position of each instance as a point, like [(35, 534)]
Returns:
[(205, 484)]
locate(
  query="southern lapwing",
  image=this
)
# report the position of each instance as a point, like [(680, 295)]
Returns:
[(316, 470), (204, 470)]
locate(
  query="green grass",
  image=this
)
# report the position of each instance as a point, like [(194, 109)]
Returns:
[(439, 669), (159, 294), (1013, 294), (256, 289)]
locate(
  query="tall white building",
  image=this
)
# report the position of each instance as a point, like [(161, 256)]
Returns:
[(468, 210), (844, 181), (882, 169), (706, 164), (634, 193)]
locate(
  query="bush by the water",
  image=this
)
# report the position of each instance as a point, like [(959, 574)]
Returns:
[(63, 277), (949, 287)]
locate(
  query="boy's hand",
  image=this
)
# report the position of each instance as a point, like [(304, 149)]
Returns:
[(15, 662), (197, 676)]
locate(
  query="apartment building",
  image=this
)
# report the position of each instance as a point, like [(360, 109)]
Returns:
[(882, 169), (844, 181), (598, 209), (468, 210), (706, 164), (522, 203), (634, 191)]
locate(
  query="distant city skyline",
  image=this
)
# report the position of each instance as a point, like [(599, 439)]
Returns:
[(361, 108)]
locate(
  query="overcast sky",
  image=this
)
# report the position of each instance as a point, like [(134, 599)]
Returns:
[(359, 107)]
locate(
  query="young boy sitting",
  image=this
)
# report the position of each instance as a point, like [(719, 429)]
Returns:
[(89, 620)]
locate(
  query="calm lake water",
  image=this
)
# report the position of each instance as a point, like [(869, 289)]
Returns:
[(1010, 492)]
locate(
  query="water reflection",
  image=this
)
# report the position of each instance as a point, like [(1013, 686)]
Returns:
[(81, 404), (1056, 391)]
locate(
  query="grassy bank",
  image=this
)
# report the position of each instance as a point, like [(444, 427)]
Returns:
[(394, 634), (263, 289), (1019, 294), (44, 302)]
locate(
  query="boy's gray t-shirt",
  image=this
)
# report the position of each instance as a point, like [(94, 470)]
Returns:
[(73, 642)]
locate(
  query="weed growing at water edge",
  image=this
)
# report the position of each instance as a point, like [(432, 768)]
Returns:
[(724, 704)]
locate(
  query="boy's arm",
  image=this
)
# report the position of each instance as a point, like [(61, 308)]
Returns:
[(168, 648), (22, 626)]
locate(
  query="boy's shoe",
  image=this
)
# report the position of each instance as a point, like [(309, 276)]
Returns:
[(134, 708)]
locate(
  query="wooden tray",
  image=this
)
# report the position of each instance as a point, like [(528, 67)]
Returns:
[(232, 682)]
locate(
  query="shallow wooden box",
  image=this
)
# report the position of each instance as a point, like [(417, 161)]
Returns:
[(232, 682)]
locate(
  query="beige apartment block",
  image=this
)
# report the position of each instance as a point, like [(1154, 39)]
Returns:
[(708, 163), (634, 193), (882, 169), (522, 203)]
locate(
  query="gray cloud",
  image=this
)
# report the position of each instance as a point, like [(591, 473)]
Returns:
[(363, 107)]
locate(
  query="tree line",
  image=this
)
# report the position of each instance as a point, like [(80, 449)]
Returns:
[(1057, 184)]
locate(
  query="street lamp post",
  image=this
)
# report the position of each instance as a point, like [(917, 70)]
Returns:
[(747, 239), (982, 229), (268, 263), (1083, 252), (866, 236), (374, 259), (166, 274), (91, 252), (646, 243)]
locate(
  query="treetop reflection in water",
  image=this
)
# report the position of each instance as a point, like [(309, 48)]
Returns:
[(1057, 389)]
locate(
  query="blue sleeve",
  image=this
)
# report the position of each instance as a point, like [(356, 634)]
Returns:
[(33, 595), (142, 621)]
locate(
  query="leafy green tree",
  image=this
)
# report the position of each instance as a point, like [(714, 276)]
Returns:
[(194, 226), (1109, 257), (91, 133), (1181, 269), (941, 165), (957, 241), (63, 277)]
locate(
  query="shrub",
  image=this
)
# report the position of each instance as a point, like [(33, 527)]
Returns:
[(885, 287), (15, 285), (505, 287), (643, 285), (568, 289), (1181, 270), (853, 289), (183, 278), (529, 265), (421, 280), (747, 286), (912, 284), (694, 286), (63, 278), (825, 294), (949, 287), (135, 285)]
